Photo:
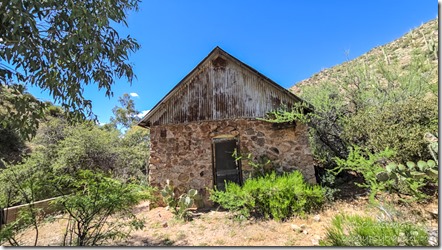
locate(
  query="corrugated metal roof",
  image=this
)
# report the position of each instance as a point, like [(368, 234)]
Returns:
[(220, 87)]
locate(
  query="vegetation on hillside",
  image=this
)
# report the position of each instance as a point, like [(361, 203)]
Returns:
[(398, 52)]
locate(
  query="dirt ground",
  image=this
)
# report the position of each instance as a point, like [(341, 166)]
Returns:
[(220, 228)]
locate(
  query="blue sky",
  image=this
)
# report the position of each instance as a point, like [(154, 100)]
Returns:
[(286, 40)]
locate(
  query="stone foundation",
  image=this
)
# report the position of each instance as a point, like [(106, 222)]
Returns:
[(182, 153)]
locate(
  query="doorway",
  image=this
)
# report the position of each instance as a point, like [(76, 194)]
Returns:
[(225, 167)]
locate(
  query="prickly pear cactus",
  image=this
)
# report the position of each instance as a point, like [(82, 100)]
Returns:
[(185, 202), (433, 145), (412, 175), (169, 195), (179, 206)]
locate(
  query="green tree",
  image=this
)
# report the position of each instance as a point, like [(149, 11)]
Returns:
[(12, 146), (28, 179), (20, 111), (88, 147), (134, 152), (61, 47), (126, 115)]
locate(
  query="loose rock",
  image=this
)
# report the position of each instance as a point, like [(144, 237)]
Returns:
[(315, 242), (433, 239), (317, 218), (296, 228)]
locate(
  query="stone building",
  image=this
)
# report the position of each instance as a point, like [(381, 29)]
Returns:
[(211, 113)]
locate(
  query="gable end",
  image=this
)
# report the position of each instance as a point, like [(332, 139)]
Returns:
[(220, 87)]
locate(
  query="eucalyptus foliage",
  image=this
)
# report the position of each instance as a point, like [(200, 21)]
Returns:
[(61, 47), (126, 115)]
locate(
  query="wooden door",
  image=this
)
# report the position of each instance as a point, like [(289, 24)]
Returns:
[(224, 165)]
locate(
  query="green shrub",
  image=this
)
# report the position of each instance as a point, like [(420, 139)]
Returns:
[(26, 218), (353, 230), (400, 125), (368, 165), (285, 115), (329, 184), (271, 196), (96, 198), (260, 165)]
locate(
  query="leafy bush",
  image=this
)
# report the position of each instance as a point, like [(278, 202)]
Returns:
[(15, 190), (26, 218), (88, 147), (180, 206), (26, 182), (400, 125), (285, 115), (368, 165), (95, 200), (353, 230), (260, 165), (271, 196), (329, 184)]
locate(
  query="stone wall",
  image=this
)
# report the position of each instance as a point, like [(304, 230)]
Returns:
[(182, 153)]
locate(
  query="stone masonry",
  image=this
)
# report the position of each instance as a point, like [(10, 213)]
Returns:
[(182, 153)]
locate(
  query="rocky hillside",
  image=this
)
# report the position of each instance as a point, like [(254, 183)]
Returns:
[(423, 40)]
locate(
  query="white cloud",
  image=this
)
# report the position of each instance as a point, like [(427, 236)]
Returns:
[(143, 113), (134, 94)]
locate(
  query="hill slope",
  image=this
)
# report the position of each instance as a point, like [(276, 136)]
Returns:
[(423, 39)]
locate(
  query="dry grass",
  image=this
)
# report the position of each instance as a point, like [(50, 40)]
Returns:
[(220, 228)]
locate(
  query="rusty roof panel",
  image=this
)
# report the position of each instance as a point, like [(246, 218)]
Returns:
[(220, 87)]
